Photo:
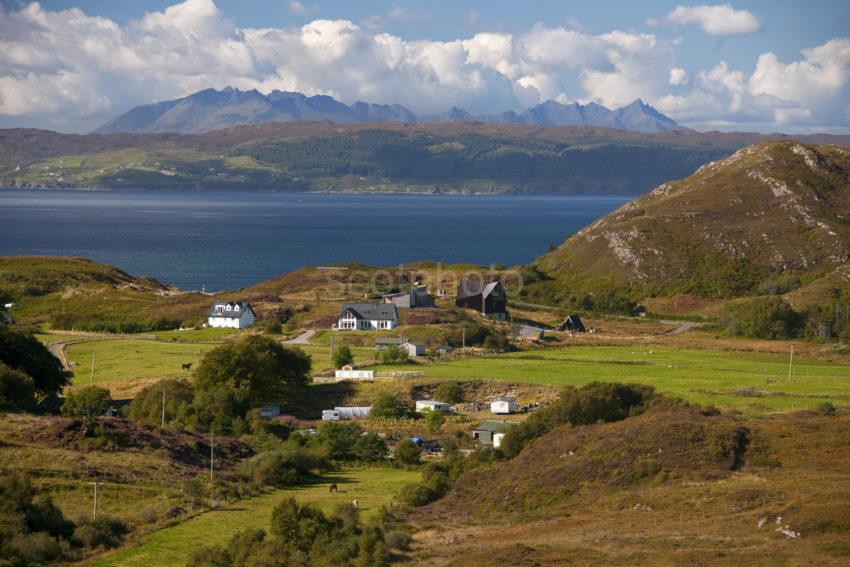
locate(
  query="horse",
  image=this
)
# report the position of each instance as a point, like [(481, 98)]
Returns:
[(333, 487), (356, 504), (187, 366)]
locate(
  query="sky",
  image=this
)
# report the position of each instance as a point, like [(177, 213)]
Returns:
[(765, 65)]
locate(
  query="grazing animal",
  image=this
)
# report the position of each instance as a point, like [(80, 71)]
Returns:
[(333, 487), (187, 366), (356, 504)]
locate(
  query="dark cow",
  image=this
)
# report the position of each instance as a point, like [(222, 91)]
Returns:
[(187, 366)]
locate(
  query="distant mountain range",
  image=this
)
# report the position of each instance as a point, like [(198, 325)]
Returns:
[(210, 109)]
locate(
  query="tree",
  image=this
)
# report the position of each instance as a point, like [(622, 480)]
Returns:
[(339, 438), (764, 318), (147, 405), (370, 447), (17, 390), (25, 353), (257, 370), (387, 406), (342, 355), (449, 392), (407, 452), (87, 402), (434, 420), (298, 526)]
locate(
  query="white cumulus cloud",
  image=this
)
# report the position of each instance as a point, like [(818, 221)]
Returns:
[(718, 19), (64, 66)]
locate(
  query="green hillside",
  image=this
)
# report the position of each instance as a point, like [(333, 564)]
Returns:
[(771, 211)]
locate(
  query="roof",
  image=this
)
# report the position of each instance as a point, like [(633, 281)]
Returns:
[(431, 403), (470, 287), (371, 311), (495, 425), (390, 341), (229, 309), (506, 399)]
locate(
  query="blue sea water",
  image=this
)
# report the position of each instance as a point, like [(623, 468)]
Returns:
[(232, 240)]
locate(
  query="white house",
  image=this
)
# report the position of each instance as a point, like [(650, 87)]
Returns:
[(433, 405), (231, 314), (505, 404), (339, 413), (367, 316)]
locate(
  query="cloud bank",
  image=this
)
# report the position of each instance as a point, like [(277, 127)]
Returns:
[(71, 66)]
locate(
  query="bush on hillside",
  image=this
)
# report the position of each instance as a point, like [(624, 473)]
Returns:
[(449, 392), (147, 405), (342, 356), (387, 406), (369, 447), (17, 390), (407, 452), (88, 402), (592, 403), (339, 438), (24, 353), (284, 466), (393, 355), (764, 318)]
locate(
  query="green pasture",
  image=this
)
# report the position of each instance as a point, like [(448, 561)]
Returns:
[(171, 546), (190, 335), (133, 359), (749, 381)]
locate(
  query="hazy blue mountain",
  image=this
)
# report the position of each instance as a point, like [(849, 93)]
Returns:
[(210, 109)]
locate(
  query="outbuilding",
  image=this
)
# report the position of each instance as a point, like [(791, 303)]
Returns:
[(489, 299), (344, 413), (433, 405), (574, 324), (504, 405), (489, 432)]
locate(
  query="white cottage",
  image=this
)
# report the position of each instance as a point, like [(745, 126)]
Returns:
[(231, 314), (367, 317)]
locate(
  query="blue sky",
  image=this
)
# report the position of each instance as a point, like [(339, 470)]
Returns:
[(761, 65)]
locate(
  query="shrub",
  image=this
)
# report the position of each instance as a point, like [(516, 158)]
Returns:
[(393, 355), (342, 356), (36, 548), (88, 402), (17, 390), (23, 352), (370, 447), (147, 405), (434, 420), (418, 494), (449, 392), (298, 526), (594, 402), (407, 452), (827, 408), (764, 318), (339, 438), (387, 406), (282, 467), (102, 531)]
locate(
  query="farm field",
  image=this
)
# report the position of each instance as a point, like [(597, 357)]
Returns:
[(752, 382), (171, 546)]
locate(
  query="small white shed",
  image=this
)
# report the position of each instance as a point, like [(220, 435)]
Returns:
[(355, 374), (504, 405), (433, 405)]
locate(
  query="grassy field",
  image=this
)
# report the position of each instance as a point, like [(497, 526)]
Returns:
[(190, 335), (752, 382), (171, 546)]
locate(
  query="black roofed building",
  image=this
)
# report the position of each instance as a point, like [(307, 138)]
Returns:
[(490, 299), (367, 316), (231, 314), (573, 323)]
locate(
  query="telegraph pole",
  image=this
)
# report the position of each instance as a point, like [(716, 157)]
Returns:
[(94, 510), (791, 363), (212, 454), (163, 408), (93, 353)]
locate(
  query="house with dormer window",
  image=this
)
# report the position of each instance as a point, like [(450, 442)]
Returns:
[(231, 314), (367, 317)]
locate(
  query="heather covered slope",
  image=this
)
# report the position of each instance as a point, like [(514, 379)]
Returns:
[(670, 487), (772, 209)]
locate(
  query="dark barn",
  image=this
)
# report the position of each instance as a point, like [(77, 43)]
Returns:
[(489, 299)]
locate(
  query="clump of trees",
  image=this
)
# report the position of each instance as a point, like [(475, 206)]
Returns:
[(33, 530), (764, 318), (387, 406), (449, 392), (304, 535), (393, 355), (342, 356), (88, 402), (230, 381), (30, 376), (592, 403)]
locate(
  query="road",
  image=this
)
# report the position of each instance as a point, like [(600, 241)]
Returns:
[(302, 339)]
